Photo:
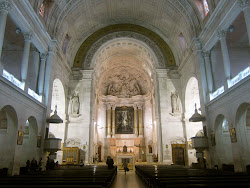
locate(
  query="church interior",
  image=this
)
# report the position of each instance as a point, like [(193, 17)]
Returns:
[(145, 82)]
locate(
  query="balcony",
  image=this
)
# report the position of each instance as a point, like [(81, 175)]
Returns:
[(52, 144)]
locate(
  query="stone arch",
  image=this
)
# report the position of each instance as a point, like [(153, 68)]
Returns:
[(192, 97), (58, 99), (223, 142), (29, 149), (242, 126), (8, 137)]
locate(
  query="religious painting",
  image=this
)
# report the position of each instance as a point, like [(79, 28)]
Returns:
[(124, 120), (20, 138), (213, 139), (39, 141), (233, 135)]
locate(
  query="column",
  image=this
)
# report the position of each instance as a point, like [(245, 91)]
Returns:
[(226, 61), (210, 84), (41, 73), (25, 59), (50, 57), (244, 4), (140, 115), (4, 8), (113, 121), (202, 69), (135, 120), (108, 120)]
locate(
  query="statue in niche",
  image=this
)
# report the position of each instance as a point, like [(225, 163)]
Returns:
[(175, 103), (74, 105)]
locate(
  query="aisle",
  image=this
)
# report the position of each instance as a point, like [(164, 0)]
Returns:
[(130, 180)]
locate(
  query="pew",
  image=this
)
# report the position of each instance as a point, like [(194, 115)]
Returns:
[(87, 176), (161, 176)]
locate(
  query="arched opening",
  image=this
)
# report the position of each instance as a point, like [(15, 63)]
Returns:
[(223, 142), (29, 149), (58, 100), (243, 133), (192, 99), (8, 137), (124, 69)]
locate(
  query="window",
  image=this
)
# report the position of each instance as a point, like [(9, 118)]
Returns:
[(42, 9), (203, 7), (206, 8)]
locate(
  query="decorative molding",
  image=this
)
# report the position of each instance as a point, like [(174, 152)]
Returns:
[(27, 36), (222, 34), (4, 7), (124, 30)]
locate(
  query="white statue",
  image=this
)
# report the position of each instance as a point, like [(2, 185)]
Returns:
[(75, 104), (175, 103)]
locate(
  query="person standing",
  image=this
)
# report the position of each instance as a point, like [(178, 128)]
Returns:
[(125, 166)]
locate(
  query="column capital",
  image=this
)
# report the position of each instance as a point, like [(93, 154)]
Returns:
[(222, 34), (113, 106), (135, 106), (206, 54), (27, 36), (243, 3), (140, 106), (5, 7), (43, 56), (108, 106)]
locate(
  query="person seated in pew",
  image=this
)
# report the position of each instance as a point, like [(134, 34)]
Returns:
[(110, 162)]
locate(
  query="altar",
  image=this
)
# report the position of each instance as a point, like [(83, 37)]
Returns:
[(129, 157)]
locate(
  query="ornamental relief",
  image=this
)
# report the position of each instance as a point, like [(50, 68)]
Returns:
[(124, 82)]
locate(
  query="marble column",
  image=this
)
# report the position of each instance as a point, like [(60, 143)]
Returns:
[(226, 60), (198, 50), (25, 59), (113, 121), (41, 73), (245, 4), (209, 73), (108, 120), (4, 8), (140, 117), (48, 65), (135, 120)]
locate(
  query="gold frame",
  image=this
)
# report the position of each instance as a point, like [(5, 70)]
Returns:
[(233, 135), (20, 138)]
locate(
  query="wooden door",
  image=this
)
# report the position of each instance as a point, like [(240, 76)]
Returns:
[(99, 153), (178, 154)]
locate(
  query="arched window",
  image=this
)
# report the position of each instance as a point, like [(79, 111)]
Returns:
[(206, 8), (203, 7), (42, 9)]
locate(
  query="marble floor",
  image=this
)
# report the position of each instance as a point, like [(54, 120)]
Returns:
[(130, 180)]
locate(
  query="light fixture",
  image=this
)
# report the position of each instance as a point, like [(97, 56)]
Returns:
[(54, 118), (196, 117)]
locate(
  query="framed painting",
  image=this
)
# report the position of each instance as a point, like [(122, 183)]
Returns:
[(39, 141), (233, 135), (124, 120), (20, 138)]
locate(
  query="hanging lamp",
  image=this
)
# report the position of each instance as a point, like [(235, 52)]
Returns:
[(54, 118), (196, 117)]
